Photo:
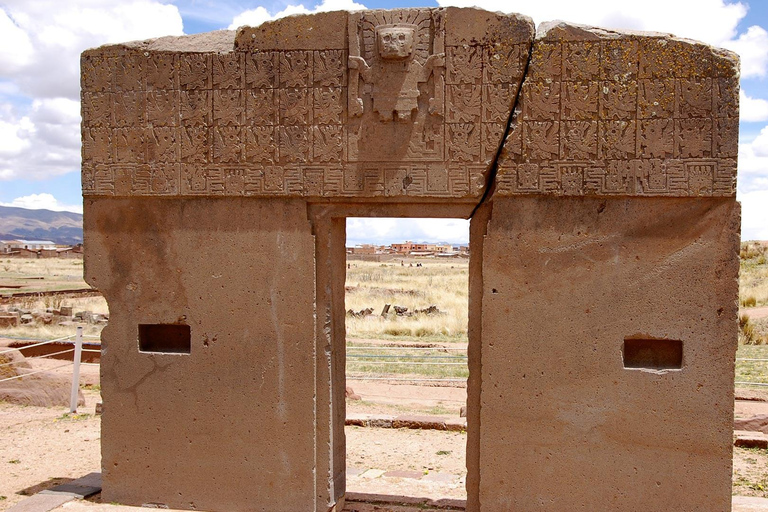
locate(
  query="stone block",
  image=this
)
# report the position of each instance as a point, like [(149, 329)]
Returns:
[(758, 423), (217, 173), (9, 319), (749, 439)]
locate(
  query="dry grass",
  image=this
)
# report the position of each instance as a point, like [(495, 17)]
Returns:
[(440, 283), (56, 274), (753, 274), (34, 275), (35, 331)]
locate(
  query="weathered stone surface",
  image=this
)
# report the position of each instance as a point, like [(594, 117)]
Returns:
[(623, 113), (418, 422), (749, 439), (301, 106), (80, 488), (350, 393), (565, 281), (41, 389), (256, 146), (9, 319), (250, 401)]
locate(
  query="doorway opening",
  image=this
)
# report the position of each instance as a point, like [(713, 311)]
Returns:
[(406, 321)]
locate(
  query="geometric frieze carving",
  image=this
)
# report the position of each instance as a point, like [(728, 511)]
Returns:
[(407, 103), (605, 113), (398, 96), (633, 177)]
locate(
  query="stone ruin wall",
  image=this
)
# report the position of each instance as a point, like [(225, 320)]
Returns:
[(601, 113), (260, 116), (599, 170)]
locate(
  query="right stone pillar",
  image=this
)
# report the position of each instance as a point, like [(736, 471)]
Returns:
[(609, 280)]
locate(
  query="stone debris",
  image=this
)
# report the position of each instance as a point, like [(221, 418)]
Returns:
[(350, 393), (14, 316), (404, 311), (41, 389), (746, 439), (8, 319), (360, 314), (406, 421), (757, 423)]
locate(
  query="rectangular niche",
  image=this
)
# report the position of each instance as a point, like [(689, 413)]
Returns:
[(653, 354), (165, 338)]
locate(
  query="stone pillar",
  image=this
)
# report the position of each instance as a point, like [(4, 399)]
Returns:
[(565, 422), (225, 422)]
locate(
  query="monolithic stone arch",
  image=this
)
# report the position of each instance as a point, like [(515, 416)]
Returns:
[(598, 168)]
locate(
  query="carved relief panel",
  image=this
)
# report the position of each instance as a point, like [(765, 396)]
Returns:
[(411, 102), (388, 110), (628, 115)]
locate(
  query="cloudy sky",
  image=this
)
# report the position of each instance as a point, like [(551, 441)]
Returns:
[(40, 43)]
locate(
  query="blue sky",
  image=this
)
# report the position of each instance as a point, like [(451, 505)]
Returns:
[(40, 43)]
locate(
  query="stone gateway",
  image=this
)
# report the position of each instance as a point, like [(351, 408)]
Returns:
[(598, 169)]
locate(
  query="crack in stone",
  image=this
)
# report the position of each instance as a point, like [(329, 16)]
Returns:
[(490, 182)]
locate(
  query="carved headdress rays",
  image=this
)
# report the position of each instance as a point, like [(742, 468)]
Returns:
[(421, 19)]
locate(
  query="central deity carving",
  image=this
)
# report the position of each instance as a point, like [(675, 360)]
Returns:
[(396, 75), (396, 85)]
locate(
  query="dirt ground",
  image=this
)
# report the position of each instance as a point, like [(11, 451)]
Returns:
[(42, 447)]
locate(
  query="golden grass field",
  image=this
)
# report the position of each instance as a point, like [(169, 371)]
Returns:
[(441, 283), (753, 292), (753, 274)]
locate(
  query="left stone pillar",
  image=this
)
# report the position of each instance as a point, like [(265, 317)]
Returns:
[(226, 421)]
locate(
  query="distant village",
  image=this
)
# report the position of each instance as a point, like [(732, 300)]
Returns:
[(39, 249), (408, 248)]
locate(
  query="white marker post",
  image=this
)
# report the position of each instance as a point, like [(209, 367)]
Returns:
[(76, 370)]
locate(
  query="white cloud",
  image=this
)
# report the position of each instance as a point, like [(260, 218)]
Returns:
[(754, 215), (251, 18), (259, 15), (390, 230), (15, 47), (753, 156), (40, 46), (43, 143), (752, 47), (753, 187), (13, 140), (46, 37), (752, 109), (43, 202)]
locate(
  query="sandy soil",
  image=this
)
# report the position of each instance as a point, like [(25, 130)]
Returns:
[(42, 447), (755, 313), (750, 472)]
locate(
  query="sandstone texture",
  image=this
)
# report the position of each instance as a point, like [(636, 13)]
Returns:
[(599, 170)]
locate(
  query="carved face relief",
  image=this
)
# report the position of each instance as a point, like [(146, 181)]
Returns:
[(395, 42)]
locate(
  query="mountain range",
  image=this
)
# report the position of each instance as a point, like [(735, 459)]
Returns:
[(57, 227)]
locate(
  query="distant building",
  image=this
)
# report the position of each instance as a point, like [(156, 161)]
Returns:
[(30, 245), (408, 247), (6, 246), (362, 249)]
